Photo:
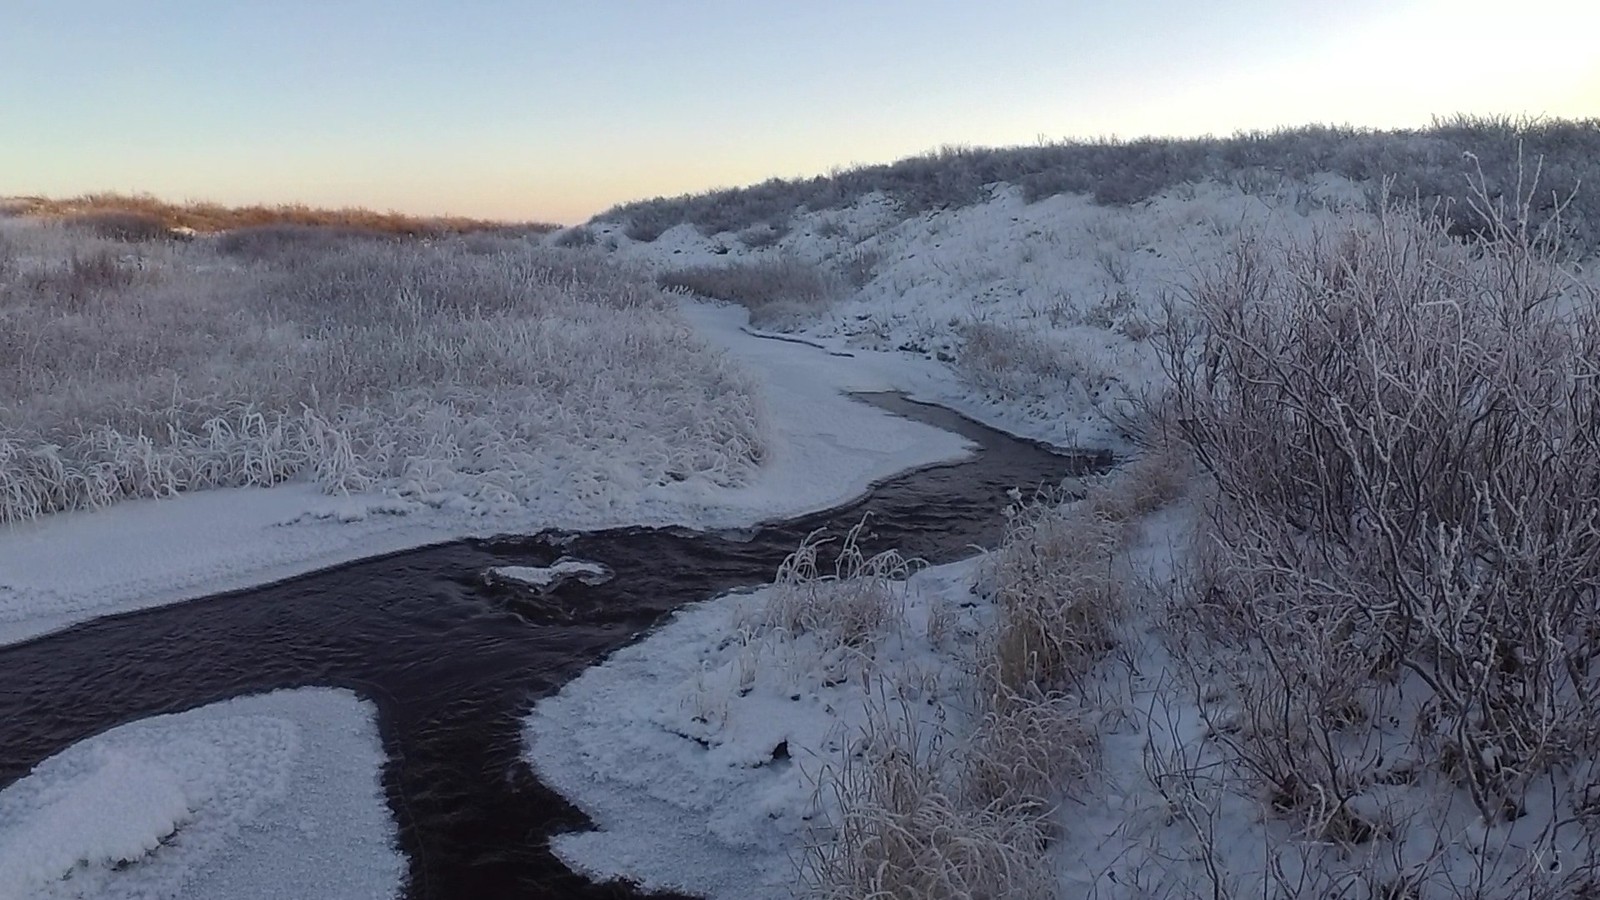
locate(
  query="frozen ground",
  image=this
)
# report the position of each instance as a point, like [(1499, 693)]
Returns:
[(270, 796), (825, 450)]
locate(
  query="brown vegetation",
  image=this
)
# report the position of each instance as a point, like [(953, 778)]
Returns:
[(142, 217)]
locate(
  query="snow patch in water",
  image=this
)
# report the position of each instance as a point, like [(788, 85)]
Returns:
[(546, 577)]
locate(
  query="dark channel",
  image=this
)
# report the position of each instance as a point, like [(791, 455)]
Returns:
[(453, 664)]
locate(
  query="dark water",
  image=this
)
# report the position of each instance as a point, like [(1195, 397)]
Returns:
[(453, 665)]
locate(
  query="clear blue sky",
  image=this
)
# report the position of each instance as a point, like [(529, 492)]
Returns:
[(555, 110)]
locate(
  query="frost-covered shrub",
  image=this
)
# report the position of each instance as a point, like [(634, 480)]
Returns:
[(577, 236), (758, 237), (1401, 570)]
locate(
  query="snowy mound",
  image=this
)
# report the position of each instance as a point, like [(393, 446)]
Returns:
[(269, 796)]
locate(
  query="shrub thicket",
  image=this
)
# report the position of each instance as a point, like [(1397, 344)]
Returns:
[(1400, 578)]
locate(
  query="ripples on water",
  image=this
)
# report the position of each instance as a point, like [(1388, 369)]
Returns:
[(453, 664)]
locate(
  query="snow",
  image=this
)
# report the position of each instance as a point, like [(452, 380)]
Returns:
[(669, 745), (695, 752), (1034, 269), (120, 812), (269, 796)]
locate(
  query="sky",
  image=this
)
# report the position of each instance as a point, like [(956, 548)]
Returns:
[(554, 110)]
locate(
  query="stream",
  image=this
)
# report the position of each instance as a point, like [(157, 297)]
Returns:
[(453, 664)]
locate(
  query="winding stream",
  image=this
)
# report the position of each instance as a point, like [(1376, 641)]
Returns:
[(453, 665)]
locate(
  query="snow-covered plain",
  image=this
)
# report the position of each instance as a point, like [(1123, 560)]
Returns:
[(269, 796)]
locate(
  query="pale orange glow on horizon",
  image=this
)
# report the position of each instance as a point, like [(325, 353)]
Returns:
[(519, 113)]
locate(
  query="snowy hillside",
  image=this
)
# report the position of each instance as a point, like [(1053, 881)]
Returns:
[(1037, 317)]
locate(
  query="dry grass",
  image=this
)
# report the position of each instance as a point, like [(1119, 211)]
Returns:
[(499, 373), (1058, 594), (1010, 363), (906, 828), (1025, 749), (143, 211), (858, 603), (780, 293), (923, 811)]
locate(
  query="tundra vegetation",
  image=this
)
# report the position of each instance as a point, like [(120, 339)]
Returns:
[(477, 369), (1391, 607)]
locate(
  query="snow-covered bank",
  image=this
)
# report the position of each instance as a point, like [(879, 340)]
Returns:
[(785, 738), (269, 796), (824, 450), (696, 752)]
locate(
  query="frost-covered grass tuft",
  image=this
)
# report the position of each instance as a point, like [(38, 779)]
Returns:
[(1024, 749), (962, 801), (858, 603), (1058, 595), (490, 371), (779, 292), (905, 827), (1011, 362)]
